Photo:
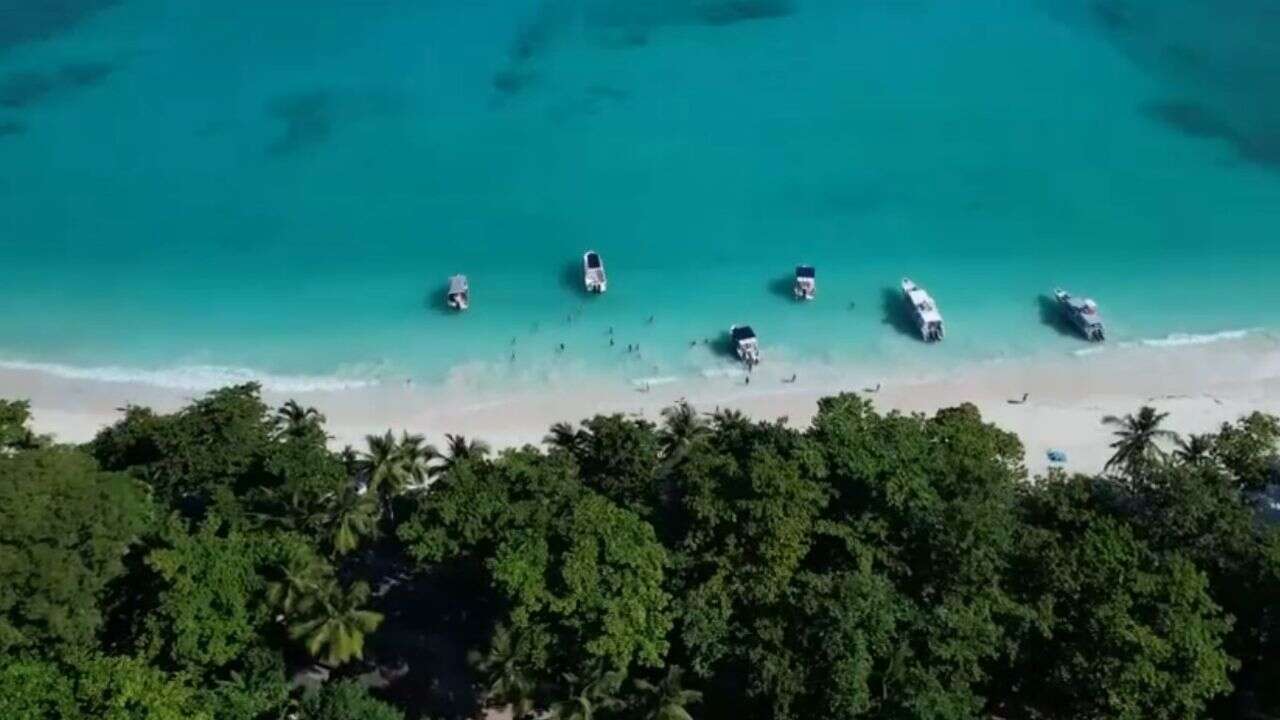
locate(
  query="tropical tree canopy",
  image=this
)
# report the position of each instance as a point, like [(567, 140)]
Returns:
[(346, 700), (1137, 445), (335, 622), (65, 527), (220, 562)]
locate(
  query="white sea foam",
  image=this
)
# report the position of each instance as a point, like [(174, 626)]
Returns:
[(194, 377), (719, 372), (663, 380), (1185, 339)]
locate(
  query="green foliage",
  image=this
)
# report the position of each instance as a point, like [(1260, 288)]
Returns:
[(294, 575), (299, 481), (334, 622), (1119, 630), (591, 579), (347, 519), (458, 451), (1248, 450), (210, 605), (390, 467), (294, 422), (1137, 448), (619, 458), (667, 699), (868, 566), (509, 684), (64, 529), (582, 577), (15, 433), (257, 689), (586, 698), (346, 700), (95, 688), (216, 442), (907, 521)]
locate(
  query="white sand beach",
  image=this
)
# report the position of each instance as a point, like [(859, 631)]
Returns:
[(1199, 385)]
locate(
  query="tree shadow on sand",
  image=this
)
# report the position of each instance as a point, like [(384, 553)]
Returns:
[(894, 313)]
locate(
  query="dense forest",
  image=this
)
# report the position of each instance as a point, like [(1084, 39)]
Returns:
[(223, 563)]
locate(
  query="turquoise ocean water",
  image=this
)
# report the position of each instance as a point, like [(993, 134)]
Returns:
[(284, 187)]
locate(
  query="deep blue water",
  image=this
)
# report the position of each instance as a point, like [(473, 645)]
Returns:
[(286, 186)]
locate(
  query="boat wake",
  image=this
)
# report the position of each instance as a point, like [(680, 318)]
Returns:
[(1174, 340), (198, 378), (1187, 339)]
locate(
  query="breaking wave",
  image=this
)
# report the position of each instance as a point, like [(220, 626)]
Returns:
[(194, 377)]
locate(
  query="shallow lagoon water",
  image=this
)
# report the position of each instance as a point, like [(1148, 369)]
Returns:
[(189, 187)]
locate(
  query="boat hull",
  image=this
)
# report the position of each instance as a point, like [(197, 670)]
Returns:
[(1091, 331)]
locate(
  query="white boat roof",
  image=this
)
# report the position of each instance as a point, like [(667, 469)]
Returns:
[(1086, 307), (457, 284), (923, 301)]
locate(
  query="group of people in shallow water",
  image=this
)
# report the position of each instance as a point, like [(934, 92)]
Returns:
[(634, 348)]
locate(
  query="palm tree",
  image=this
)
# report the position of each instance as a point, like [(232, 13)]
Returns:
[(337, 624), (459, 450), (682, 425), (294, 421), (1194, 450), (389, 466), (1135, 445), (508, 684), (350, 460), (293, 589), (417, 456), (563, 436), (383, 464), (586, 699), (668, 700), (349, 517)]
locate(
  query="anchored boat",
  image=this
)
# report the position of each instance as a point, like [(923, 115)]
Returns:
[(593, 273), (745, 345), (806, 285), (1083, 313), (924, 310), (459, 296)]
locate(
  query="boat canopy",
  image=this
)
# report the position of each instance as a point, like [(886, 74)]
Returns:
[(922, 301), (458, 284), (1085, 310), (593, 260), (804, 271), (742, 333)]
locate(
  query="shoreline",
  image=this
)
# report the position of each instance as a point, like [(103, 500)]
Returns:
[(1200, 385)]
